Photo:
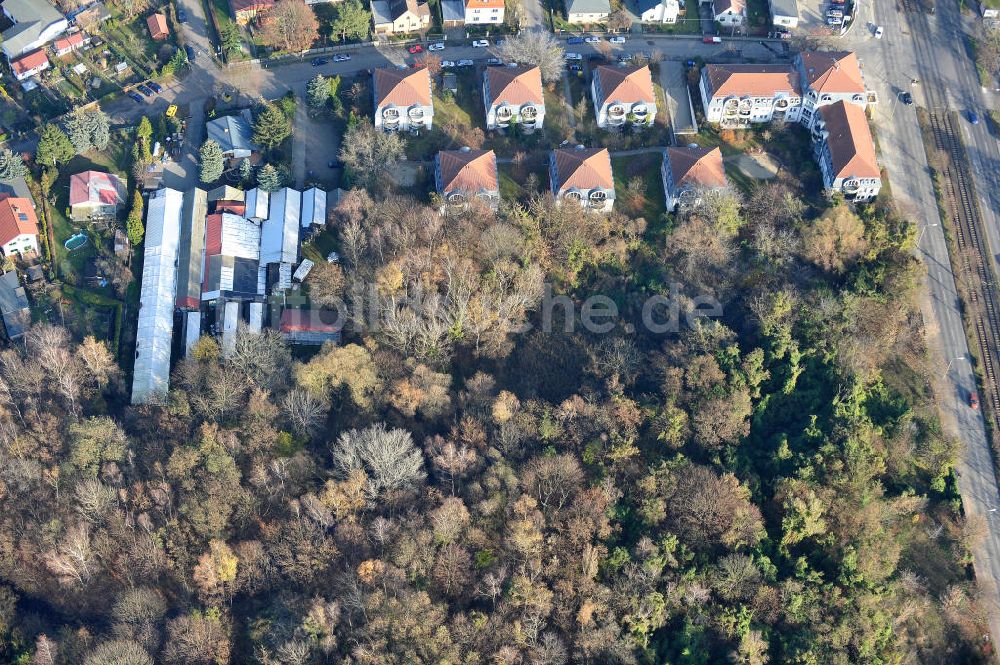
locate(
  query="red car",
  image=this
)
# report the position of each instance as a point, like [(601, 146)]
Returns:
[(416, 48), (712, 40), (974, 401)]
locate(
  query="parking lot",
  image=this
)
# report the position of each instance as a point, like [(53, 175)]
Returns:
[(812, 18)]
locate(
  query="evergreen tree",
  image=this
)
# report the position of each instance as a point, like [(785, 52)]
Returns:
[(12, 166), (268, 178), (211, 160), (246, 170), (318, 92), (352, 20), (229, 36), (100, 128), (79, 132), (144, 134), (54, 146), (133, 227), (272, 127)]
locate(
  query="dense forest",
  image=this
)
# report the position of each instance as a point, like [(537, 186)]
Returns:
[(464, 482)]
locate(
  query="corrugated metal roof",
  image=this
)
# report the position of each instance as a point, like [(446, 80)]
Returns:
[(313, 207), (257, 204), (192, 330), (279, 235), (151, 373)]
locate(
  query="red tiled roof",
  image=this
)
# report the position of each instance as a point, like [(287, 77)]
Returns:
[(852, 149), (68, 42), (157, 24), (833, 71), (484, 4), (29, 62), (402, 87), (583, 168), (94, 187), (515, 85), (698, 166), (751, 80), (16, 217), (468, 170), (626, 84)]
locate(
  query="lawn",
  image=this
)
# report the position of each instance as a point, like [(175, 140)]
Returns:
[(639, 187), (684, 26), (521, 180)]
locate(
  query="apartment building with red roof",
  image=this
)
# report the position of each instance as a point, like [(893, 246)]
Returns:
[(845, 151), (402, 99), (463, 175), (623, 95), (584, 175), (513, 95), (829, 77), (689, 172)]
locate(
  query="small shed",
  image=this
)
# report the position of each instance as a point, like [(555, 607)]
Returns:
[(157, 24)]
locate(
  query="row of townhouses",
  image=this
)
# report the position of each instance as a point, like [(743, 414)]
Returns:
[(579, 174), (822, 90), (622, 95)]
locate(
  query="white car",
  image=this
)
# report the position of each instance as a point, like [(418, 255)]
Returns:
[(342, 57), (617, 40), (573, 56), (481, 43), (465, 63), (436, 47), (447, 64), (878, 32), (592, 40)]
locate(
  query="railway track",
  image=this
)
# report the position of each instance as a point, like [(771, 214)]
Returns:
[(973, 256)]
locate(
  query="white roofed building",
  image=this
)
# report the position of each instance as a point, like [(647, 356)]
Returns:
[(313, 208), (151, 373), (279, 233), (257, 204)]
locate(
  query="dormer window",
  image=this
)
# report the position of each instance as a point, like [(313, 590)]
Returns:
[(456, 198), (573, 195), (598, 197), (826, 98), (529, 112), (504, 112), (416, 113), (390, 114), (639, 110)]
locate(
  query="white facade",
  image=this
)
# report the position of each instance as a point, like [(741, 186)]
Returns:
[(666, 11), (392, 118), (151, 373), (484, 12), (36, 23), (22, 244), (28, 73)]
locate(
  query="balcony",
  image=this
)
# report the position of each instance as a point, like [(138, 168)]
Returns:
[(390, 115), (456, 198), (529, 113), (416, 114), (640, 112), (730, 106), (851, 186), (504, 114), (597, 198), (616, 114), (781, 104)]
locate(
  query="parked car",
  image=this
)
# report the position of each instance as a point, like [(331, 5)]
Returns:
[(189, 52), (833, 20), (974, 400), (907, 98), (596, 57), (973, 117), (334, 164), (481, 43), (155, 86), (494, 62), (136, 97), (342, 57), (573, 56), (617, 40), (466, 63), (171, 111), (592, 39), (575, 40), (182, 16), (499, 42), (447, 64), (783, 33), (439, 46), (416, 48), (878, 32), (625, 57), (148, 92), (573, 67), (712, 40), (318, 62)]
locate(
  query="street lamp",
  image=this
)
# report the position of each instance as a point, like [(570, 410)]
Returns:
[(923, 229)]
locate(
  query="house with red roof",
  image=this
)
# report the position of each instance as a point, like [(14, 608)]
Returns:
[(623, 95), (157, 24), (94, 194), (513, 94), (28, 65), (68, 44), (463, 175), (402, 99), (18, 226)]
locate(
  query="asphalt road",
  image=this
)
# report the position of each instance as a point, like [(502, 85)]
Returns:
[(930, 48)]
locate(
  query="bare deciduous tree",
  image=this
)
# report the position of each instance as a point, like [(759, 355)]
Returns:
[(387, 456), (305, 412), (535, 47)]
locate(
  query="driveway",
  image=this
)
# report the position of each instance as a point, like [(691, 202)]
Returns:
[(315, 143)]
